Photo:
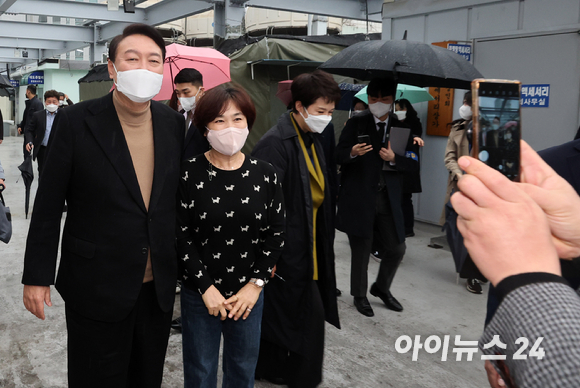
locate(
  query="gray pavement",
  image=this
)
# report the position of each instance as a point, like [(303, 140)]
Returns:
[(362, 354)]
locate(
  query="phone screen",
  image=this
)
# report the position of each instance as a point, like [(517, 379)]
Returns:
[(498, 126)]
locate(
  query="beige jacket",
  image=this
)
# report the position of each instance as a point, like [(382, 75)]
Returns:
[(457, 146)]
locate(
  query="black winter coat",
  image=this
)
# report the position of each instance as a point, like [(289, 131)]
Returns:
[(288, 303), (360, 177)]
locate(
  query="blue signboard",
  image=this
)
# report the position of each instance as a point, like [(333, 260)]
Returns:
[(15, 83), (34, 78), (462, 49), (535, 96)]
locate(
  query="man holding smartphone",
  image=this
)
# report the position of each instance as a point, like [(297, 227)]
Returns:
[(371, 175)]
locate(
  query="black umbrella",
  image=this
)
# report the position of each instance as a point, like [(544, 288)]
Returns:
[(412, 63), (28, 176)]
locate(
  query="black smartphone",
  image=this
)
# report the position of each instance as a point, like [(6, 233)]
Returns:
[(364, 139), (497, 125)]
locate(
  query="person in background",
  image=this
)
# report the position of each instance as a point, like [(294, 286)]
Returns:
[(38, 129), (302, 293), (370, 195), (458, 145), (116, 162), (411, 180), (231, 221), (358, 107), (189, 91), (63, 100), (33, 105)]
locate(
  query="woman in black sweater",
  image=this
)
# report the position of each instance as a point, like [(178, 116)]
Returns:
[(231, 221)]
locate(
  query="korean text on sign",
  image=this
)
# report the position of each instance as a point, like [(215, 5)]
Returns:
[(535, 96), (433, 344)]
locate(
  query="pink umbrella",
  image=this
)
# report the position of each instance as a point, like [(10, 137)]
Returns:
[(213, 65), (284, 92)]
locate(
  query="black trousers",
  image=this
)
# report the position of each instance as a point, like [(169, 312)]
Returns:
[(128, 353), (386, 242)]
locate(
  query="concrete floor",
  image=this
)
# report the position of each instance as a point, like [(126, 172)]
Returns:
[(362, 354)]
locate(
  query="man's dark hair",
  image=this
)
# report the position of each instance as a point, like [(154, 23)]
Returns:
[(50, 93), (60, 94), (136, 29), (382, 87), (215, 102), (31, 89), (189, 75), (309, 87)]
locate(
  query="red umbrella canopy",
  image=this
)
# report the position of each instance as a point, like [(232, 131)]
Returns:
[(213, 66), (284, 93)]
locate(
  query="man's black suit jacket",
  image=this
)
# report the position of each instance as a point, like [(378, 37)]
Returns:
[(108, 231), (360, 176), (195, 143), (35, 130), (32, 106)]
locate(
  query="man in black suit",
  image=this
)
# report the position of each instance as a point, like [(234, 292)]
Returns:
[(189, 89), (116, 162), (37, 130), (33, 105), (370, 194)]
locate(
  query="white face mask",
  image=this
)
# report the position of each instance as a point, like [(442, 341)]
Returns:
[(139, 85), (188, 103), (401, 114), (316, 123), (51, 108), (228, 141), (379, 109), (61, 103), (465, 112), (495, 126)]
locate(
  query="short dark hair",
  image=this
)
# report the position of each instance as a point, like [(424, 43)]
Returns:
[(50, 93), (309, 87), (136, 29), (384, 86), (189, 75), (215, 103), (467, 98), (411, 112), (31, 89), (60, 94)]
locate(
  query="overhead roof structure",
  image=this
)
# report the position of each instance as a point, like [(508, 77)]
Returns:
[(23, 42)]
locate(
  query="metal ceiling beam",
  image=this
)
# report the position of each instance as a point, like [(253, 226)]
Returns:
[(55, 32), (162, 12), (5, 5), (10, 54), (33, 43), (75, 9), (348, 9)]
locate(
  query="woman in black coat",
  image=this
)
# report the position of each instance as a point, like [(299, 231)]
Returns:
[(411, 180), (302, 293)]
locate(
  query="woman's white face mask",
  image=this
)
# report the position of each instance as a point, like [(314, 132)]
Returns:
[(316, 123)]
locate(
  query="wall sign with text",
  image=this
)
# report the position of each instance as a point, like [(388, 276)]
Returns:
[(535, 96)]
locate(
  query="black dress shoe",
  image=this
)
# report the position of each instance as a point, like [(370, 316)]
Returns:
[(387, 298), (363, 306), (176, 324)]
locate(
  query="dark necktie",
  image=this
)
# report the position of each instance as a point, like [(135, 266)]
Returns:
[(381, 131)]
